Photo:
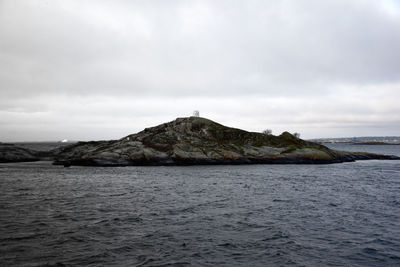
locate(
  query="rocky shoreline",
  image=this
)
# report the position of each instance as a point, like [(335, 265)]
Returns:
[(237, 161), (193, 141)]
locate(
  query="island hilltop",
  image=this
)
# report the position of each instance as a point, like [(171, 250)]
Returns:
[(196, 141)]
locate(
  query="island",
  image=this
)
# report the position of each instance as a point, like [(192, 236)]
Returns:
[(12, 153), (200, 141)]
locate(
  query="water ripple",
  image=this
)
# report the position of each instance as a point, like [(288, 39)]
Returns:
[(328, 215)]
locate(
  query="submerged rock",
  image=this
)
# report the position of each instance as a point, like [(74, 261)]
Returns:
[(195, 140)]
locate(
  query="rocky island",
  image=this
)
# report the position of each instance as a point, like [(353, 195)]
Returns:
[(13, 153), (200, 141)]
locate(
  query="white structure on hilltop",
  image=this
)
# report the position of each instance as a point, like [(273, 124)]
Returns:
[(196, 113)]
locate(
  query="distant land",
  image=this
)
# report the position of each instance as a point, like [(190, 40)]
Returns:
[(367, 140), (43, 146)]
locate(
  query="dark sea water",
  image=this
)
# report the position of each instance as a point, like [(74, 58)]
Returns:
[(256, 215)]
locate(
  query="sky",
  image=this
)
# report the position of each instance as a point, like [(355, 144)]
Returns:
[(96, 70)]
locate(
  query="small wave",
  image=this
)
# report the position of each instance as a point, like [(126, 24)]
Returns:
[(370, 251), (21, 237), (227, 245), (143, 260), (281, 200), (275, 236)]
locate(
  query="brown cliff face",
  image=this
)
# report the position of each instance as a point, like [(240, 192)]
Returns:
[(194, 140)]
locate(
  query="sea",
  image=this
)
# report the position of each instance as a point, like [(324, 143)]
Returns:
[(344, 214)]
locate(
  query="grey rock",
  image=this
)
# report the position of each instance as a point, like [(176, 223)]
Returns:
[(13, 153), (195, 140)]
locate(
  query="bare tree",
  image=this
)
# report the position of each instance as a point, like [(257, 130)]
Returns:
[(196, 113), (297, 135), (267, 132)]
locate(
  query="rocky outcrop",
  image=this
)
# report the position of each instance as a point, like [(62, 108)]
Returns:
[(194, 141), (13, 153)]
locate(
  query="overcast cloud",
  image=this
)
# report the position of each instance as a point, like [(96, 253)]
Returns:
[(88, 70)]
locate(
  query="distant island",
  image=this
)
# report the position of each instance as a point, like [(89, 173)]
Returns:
[(29, 151), (13, 153), (364, 140), (189, 141)]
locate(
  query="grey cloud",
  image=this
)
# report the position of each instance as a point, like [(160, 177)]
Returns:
[(208, 54)]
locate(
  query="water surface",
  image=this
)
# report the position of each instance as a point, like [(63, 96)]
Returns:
[(250, 215)]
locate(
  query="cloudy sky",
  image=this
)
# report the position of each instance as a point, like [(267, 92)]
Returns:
[(88, 70)]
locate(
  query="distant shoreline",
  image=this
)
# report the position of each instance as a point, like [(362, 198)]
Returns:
[(361, 143)]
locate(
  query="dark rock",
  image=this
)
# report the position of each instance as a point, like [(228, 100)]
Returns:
[(199, 141), (13, 153)]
